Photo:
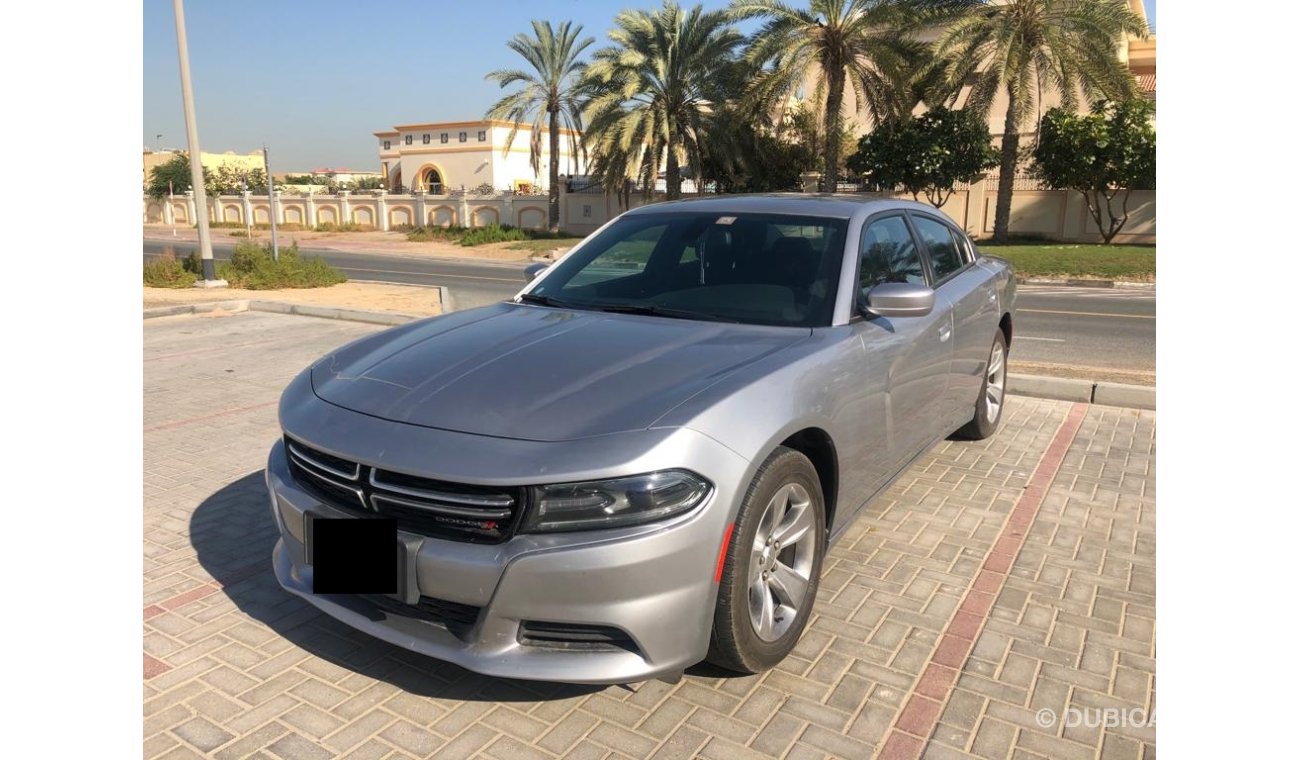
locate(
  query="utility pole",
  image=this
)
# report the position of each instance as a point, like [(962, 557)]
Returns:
[(270, 193), (196, 157)]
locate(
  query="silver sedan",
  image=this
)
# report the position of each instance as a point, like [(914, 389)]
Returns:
[(641, 460)]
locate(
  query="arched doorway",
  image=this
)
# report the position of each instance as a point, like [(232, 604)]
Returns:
[(430, 181)]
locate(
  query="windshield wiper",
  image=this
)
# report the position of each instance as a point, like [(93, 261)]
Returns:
[(548, 301), (659, 311)]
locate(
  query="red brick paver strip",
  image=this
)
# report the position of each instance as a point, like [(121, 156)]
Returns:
[(920, 715), (206, 417)]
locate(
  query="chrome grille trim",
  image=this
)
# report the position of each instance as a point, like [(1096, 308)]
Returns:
[(441, 509), (305, 466), (421, 505), (502, 502), (307, 459)]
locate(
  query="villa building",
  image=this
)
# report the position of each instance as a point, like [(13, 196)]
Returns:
[(440, 157)]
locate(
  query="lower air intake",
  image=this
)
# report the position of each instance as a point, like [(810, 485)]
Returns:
[(575, 637)]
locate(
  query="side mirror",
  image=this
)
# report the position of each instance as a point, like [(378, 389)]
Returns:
[(900, 299), (532, 270)]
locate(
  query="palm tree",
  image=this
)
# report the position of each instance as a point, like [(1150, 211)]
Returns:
[(655, 88), (1028, 47), (549, 97), (834, 44)]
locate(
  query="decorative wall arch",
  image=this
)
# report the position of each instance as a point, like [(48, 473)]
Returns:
[(363, 215), (231, 212), (326, 215), (400, 216), (181, 213), (484, 216), (442, 216), (153, 213), (261, 215), (421, 179), (293, 215), (531, 218)]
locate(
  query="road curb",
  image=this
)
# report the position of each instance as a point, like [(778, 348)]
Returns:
[(445, 300), (1086, 391), (1116, 284), (280, 307)]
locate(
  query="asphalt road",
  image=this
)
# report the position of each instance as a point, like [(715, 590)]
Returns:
[(1098, 333)]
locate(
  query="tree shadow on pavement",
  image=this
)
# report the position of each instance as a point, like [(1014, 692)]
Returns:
[(234, 532)]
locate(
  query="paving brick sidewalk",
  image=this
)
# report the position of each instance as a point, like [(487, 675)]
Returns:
[(935, 631)]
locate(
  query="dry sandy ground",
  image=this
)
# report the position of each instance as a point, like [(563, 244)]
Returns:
[(406, 299), (1098, 374), (372, 242)]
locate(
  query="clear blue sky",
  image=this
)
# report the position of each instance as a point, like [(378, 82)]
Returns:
[(313, 80)]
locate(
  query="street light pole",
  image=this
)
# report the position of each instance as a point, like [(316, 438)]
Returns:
[(196, 157), (270, 198)]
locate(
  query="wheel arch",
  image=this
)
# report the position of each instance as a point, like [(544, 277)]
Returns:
[(1004, 325), (817, 444)]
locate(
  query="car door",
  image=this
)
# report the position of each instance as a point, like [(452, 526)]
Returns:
[(909, 356), (971, 294)]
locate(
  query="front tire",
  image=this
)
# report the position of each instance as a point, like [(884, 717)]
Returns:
[(772, 566), (992, 398)]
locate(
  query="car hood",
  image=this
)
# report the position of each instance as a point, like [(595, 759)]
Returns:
[(537, 373)]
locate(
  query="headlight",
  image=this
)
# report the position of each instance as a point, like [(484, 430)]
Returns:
[(614, 503)]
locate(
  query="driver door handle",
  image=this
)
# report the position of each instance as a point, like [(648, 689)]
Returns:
[(945, 332)]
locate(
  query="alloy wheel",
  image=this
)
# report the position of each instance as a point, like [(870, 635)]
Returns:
[(781, 561), (995, 383)]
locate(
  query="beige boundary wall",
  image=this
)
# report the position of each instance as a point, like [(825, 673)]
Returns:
[(1055, 214), (381, 211)]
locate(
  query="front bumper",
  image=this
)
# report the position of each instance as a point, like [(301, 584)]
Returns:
[(655, 583)]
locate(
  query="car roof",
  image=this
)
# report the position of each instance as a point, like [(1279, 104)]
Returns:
[(841, 206)]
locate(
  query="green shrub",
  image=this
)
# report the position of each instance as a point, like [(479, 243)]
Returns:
[(251, 266), (493, 233), (167, 271), (344, 227), (426, 234)]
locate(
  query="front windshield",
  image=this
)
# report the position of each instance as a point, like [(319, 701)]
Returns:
[(766, 269)]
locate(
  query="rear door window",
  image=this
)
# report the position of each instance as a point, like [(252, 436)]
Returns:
[(939, 243)]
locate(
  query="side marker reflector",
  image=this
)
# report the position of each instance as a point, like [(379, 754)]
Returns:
[(722, 554)]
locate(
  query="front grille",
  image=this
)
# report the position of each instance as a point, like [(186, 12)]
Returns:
[(575, 637), (456, 511), (455, 617)]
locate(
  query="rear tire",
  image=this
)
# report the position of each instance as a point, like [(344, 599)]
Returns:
[(993, 394), (772, 566)]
